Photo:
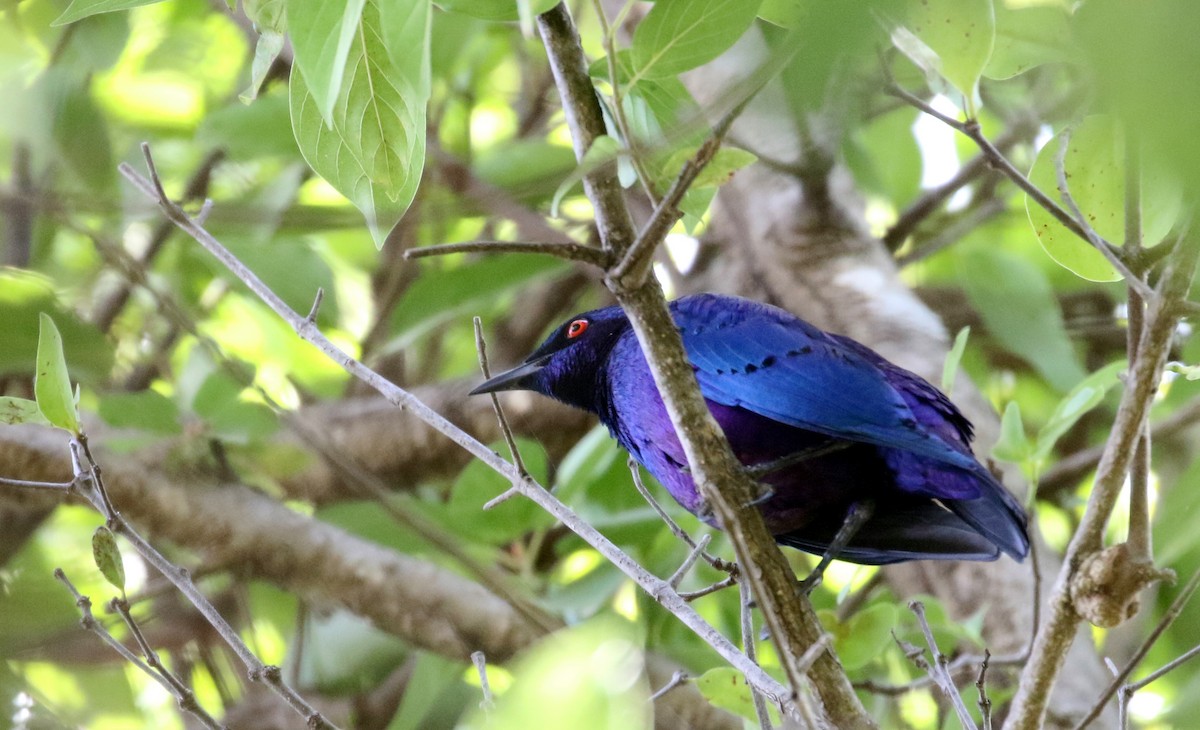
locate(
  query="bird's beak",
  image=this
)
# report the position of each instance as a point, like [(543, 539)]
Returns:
[(516, 379)]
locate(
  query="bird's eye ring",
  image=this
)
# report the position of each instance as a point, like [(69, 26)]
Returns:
[(576, 328)]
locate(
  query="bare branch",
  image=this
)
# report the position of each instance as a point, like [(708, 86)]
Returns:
[(568, 251)]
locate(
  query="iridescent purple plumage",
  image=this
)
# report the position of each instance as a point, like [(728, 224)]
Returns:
[(778, 387)]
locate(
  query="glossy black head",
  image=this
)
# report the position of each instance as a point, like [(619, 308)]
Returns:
[(565, 366)]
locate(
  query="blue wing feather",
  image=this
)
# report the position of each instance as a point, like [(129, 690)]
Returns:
[(767, 361)]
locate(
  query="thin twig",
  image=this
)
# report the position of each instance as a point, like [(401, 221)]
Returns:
[(509, 439), (929, 201), (939, 669), (183, 693), (985, 704), (955, 231), (26, 484), (636, 262), (568, 251), (719, 585), (184, 696), (717, 563), (748, 646), (91, 487), (678, 679), (689, 561), (488, 703)]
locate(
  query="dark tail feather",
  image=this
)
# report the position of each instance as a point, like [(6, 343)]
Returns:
[(997, 515), (917, 529)]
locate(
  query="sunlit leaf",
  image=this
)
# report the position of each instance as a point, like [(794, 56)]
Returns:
[(1095, 170), (375, 149), (1081, 399), (322, 32), (14, 411), (724, 164), (960, 33), (1013, 445), (108, 557), (405, 25), (80, 9), (784, 13), (52, 383), (953, 358), (1027, 37), (677, 35), (549, 690), (726, 687)]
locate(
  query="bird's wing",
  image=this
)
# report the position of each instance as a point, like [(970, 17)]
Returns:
[(789, 371)]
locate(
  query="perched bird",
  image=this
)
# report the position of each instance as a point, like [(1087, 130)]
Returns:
[(860, 459)]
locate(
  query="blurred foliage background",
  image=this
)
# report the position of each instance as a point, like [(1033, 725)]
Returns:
[(309, 167)]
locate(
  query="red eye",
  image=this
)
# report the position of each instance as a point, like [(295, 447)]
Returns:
[(576, 328)]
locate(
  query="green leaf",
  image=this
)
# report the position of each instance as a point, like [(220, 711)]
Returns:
[(52, 384), (1082, 398), (322, 32), (478, 484), (884, 156), (251, 131), (494, 9), (1027, 37), (82, 138), (588, 676), (406, 25), (108, 557), (1095, 170), (604, 151), (1020, 310), (374, 150), (867, 634), (270, 19), (444, 293), (784, 13), (726, 687), (15, 411), (678, 35), (725, 162), (953, 358), (80, 9), (270, 44), (1013, 445), (147, 411), (23, 297), (960, 33)]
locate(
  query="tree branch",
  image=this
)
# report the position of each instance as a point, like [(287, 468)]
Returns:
[(718, 475)]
